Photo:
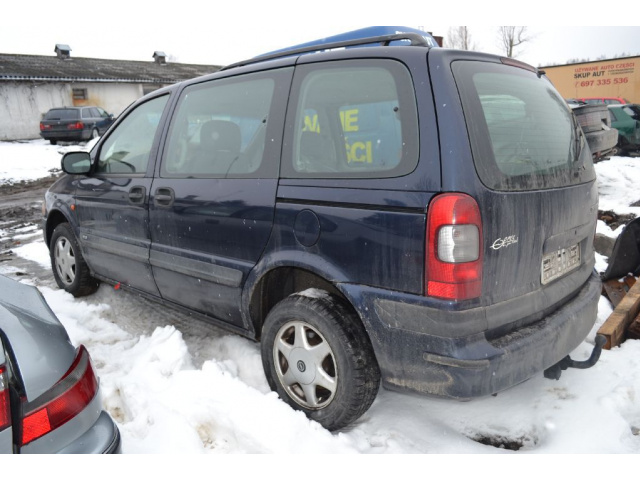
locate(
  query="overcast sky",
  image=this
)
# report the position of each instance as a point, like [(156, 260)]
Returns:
[(216, 32)]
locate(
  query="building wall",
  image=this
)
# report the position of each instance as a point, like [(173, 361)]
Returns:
[(607, 78), (22, 104), (113, 97)]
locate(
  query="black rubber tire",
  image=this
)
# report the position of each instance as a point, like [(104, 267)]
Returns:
[(53, 142), (82, 282), (351, 358)]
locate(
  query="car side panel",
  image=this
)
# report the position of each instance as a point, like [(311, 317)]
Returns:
[(114, 232), (206, 243), (6, 441), (379, 245)]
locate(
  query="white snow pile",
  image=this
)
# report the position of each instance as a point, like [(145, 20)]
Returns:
[(174, 386)]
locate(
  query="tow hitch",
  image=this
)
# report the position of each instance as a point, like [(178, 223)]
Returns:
[(554, 372)]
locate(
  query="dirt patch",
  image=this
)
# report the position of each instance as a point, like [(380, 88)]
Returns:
[(21, 203), (506, 443), (613, 219), (27, 186), (20, 219)]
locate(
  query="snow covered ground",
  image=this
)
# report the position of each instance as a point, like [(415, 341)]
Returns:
[(178, 386), (30, 160)]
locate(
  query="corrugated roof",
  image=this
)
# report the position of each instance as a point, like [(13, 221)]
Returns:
[(52, 69)]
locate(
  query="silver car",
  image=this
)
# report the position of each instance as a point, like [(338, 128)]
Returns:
[(50, 399)]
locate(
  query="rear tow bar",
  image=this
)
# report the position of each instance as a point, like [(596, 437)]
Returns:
[(554, 372)]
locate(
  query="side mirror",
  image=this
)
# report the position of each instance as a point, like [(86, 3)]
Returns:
[(76, 163)]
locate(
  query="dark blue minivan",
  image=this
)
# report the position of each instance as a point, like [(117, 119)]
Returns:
[(400, 214)]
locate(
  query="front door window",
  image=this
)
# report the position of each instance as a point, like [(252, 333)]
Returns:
[(127, 149)]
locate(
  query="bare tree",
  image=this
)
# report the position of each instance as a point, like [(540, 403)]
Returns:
[(460, 38), (511, 37)]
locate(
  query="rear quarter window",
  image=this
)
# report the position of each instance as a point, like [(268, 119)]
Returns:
[(352, 119), (523, 135)]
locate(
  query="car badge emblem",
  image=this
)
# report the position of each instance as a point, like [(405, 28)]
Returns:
[(504, 242)]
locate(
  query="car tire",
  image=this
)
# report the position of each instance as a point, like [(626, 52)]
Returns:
[(317, 356), (53, 142), (69, 268)]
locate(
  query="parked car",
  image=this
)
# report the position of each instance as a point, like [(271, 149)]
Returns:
[(604, 100), (50, 398), (595, 122), (626, 119), (74, 123), (406, 215)]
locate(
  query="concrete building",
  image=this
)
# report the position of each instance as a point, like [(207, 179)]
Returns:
[(32, 84)]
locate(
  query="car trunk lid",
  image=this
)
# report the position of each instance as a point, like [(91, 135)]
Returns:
[(534, 183), (34, 338)]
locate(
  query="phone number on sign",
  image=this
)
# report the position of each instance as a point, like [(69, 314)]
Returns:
[(604, 81)]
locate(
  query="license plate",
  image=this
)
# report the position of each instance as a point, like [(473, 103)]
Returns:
[(557, 264)]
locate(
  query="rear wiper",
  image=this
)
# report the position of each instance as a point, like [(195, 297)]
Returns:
[(579, 142)]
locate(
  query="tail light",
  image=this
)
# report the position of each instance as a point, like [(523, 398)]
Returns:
[(5, 406), (65, 400), (44, 127), (75, 126), (453, 257)]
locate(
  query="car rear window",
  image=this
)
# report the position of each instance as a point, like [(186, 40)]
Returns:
[(62, 114), (523, 134)]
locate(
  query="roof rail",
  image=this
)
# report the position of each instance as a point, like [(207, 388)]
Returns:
[(415, 39)]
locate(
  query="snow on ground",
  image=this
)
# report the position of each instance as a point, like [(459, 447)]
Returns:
[(618, 181), (176, 387), (30, 160)]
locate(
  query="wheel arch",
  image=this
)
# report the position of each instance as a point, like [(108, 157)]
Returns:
[(280, 282), (55, 218)]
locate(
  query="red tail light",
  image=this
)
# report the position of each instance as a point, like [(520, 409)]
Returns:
[(44, 127), (64, 401), (5, 406), (75, 126), (453, 254)]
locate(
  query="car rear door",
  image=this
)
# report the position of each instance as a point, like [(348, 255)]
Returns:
[(112, 202), (212, 201)]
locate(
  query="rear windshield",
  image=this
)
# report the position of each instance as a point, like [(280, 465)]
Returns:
[(62, 114), (523, 134)]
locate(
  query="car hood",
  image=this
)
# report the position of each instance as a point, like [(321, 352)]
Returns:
[(33, 337)]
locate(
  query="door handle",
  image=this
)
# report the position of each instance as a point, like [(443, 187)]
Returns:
[(164, 197), (137, 195)]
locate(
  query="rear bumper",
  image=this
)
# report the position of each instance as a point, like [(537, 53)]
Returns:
[(102, 437), (450, 354), (602, 142), (68, 135), (91, 431)]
